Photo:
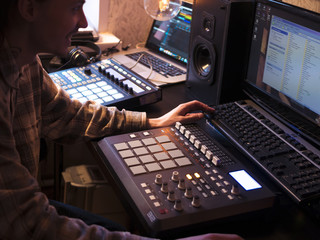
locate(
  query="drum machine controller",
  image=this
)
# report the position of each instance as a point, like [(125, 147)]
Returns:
[(180, 176), (107, 83)]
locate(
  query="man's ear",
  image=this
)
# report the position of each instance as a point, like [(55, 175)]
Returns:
[(28, 9)]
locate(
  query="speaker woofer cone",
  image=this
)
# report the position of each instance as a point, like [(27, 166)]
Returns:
[(202, 60)]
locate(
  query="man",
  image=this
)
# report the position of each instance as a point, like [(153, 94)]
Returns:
[(32, 106)]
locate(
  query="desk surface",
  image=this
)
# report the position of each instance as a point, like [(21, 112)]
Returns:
[(284, 221)]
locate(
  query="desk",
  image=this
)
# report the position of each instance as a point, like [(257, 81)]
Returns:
[(285, 220)]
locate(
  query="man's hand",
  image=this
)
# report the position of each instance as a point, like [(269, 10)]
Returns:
[(184, 113)]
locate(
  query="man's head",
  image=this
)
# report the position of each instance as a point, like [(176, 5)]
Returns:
[(43, 25)]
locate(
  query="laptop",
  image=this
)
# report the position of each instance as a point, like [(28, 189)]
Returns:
[(167, 41), (278, 126)]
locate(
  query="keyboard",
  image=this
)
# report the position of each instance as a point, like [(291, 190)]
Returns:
[(290, 161), (162, 67)]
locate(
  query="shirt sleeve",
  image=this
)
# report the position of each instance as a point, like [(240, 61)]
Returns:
[(67, 120)]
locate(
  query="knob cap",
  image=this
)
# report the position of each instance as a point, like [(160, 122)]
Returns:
[(158, 179), (87, 71), (235, 189), (196, 201), (171, 196), (175, 176), (178, 205), (164, 187), (188, 192), (182, 184)]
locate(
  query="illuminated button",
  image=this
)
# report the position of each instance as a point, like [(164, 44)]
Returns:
[(147, 191), (197, 175), (156, 204), (189, 176)]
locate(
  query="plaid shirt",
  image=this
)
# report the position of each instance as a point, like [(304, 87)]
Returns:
[(32, 106)]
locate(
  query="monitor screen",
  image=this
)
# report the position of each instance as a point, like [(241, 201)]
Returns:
[(284, 62), (172, 37)]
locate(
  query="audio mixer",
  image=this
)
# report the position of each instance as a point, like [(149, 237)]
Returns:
[(180, 176), (107, 83)]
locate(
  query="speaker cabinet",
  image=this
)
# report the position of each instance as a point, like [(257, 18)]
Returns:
[(218, 50)]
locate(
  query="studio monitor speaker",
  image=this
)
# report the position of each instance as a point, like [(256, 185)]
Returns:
[(218, 50)]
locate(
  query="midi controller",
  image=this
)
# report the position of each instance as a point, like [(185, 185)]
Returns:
[(107, 83), (180, 176)]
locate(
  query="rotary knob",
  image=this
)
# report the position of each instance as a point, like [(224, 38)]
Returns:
[(235, 189), (182, 184), (178, 205), (164, 187), (158, 179), (171, 196), (196, 201), (188, 192), (175, 176)]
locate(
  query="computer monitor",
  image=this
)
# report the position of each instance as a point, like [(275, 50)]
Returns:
[(284, 63)]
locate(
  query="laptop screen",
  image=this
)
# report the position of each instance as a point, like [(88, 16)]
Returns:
[(284, 63), (171, 37)]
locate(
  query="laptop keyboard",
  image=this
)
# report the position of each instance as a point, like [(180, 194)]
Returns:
[(158, 65), (279, 154)]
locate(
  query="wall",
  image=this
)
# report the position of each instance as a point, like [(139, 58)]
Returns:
[(313, 5), (128, 20)]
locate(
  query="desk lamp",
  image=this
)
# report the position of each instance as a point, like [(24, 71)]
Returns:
[(162, 10)]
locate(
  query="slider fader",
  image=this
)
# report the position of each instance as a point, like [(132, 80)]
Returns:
[(178, 177)]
